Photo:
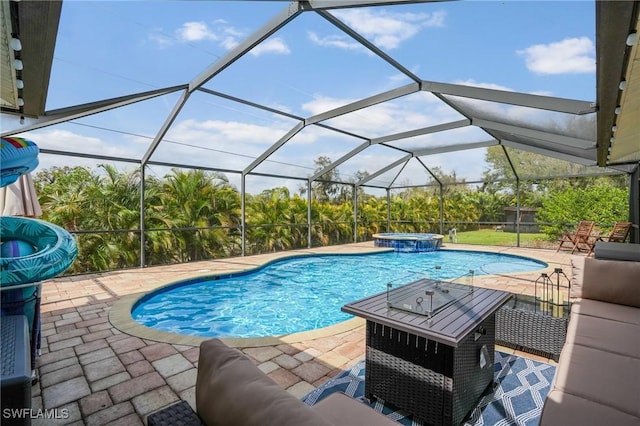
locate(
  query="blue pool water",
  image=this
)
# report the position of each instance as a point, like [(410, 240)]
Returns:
[(302, 293)]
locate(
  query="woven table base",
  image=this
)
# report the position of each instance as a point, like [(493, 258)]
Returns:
[(180, 414)]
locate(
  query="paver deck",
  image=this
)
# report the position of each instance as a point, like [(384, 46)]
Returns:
[(92, 373)]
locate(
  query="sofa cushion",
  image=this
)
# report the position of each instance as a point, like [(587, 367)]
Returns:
[(231, 390), (569, 410), (604, 334), (612, 281), (616, 251), (600, 376), (606, 310), (342, 410)]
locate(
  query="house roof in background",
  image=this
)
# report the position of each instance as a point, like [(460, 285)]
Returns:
[(618, 62), (35, 24)]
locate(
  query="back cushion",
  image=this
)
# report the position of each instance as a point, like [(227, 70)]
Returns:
[(612, 281), (231, 390)]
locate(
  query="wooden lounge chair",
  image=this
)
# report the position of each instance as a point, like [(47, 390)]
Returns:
[(579, 240), (618, 234)]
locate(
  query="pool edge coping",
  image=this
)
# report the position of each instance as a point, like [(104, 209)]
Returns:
[(120, 317)]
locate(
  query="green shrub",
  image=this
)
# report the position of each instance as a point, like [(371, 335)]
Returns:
[(562, 210)]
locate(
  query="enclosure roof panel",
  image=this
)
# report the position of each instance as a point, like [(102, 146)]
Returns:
[(373, 86)]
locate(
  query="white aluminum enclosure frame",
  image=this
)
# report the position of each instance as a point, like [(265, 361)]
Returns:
[(575, 149)]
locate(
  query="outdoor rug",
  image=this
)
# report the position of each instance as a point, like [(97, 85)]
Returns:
[(522, 387)]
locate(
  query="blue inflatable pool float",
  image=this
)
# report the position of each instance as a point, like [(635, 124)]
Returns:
[(18, 156), (54, 250), (32, 250)]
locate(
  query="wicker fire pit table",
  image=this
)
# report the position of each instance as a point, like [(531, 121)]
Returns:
[(430, 347)]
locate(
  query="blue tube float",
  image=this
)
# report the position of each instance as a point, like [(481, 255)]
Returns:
[(19, 156), (32, 250), (54, 250)]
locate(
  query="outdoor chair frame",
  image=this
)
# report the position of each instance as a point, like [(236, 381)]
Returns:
[(618, 234), (579, 240)]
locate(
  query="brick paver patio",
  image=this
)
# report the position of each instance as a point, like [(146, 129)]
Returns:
[(100, 375)]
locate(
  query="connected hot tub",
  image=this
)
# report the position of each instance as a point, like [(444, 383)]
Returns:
[(408, 242)]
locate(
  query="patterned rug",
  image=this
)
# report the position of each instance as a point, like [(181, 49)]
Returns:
[(522, 387)]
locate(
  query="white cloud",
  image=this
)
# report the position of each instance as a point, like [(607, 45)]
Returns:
[(569, 56), (390, 117), (195, 31), (65, 140), (220, 32), (388, 29), (272, 45), (321, 104), (339, 41), (161, 39), (215, 132)]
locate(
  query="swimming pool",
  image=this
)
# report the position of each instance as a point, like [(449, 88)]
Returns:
[(301, 293)]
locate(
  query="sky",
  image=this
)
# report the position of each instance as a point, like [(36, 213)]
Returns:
[(114, 48)]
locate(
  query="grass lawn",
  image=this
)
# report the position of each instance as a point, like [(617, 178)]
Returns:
[(493, 238)]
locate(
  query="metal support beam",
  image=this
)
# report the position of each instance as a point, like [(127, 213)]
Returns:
[(549, 103), (341, 160), (388, 210), (441, 208), (364, 103), (455, 147), (506, 154), (249, 103), (423, 131), (517, 212), (273, 148), (165, 127), (63, 115), (441, 192), (399, 172), (634, 205), (333, 4), (143, 236), (536, 134), (587, 159), (355, 213), (384, 169), (429, 171), (243, 213), (309, 182), (366, 43), (264, 32)]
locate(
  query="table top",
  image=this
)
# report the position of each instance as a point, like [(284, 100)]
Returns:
[(449, 326)]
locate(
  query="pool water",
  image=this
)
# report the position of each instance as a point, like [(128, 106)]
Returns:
[(302, 293)]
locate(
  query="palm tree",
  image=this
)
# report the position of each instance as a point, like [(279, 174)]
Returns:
[(372, 215), (118, 203), (63, 195), (268, 215), (191, 201)]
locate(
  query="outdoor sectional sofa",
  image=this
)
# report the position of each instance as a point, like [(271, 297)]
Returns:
[(598, 377), (231, 390)]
